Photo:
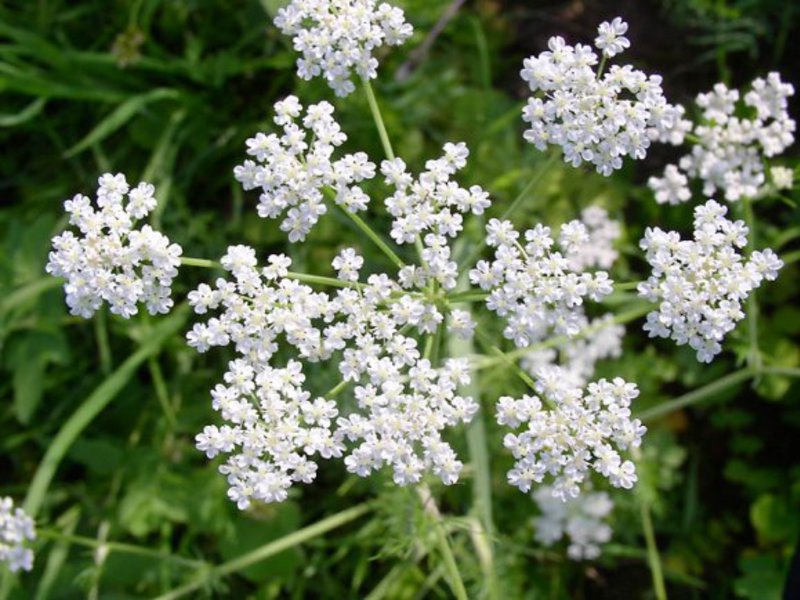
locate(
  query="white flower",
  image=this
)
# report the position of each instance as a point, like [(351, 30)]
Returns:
[(277, 422), (589, 243), (537, 290), (339, 37), (581, 520), (294, 170), (782, 178), (729, 151), (110, 259), (16, 528), (599, 339), (611, 37), (430, 210), (571, 433), (700, 284), (673, 188), (598, 120)]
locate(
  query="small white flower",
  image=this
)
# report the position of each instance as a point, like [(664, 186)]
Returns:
[(16, 529), (598, 120), (730, 150), (611, 37), (581, 520), (338, 38), (110, 260), (701, 284), (782, 178)]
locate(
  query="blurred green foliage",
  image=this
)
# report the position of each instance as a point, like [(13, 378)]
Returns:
[(168, 91)]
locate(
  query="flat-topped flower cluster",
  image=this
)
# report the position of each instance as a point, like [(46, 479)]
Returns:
[(338, 38), (731, 142), (275, 427), (534, 287), (294, 170), (581, 520), (568, 432), (700, 284), (111, 260), (391, 400), (594, 117)]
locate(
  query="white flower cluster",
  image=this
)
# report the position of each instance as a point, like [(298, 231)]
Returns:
[(596, 248), (581, 520), (337, 37), (274, 428), (16, 528), (429, 210), (295, 169), (111, 260), (600, 339), (576, 431), (729, 151), (595, 119), (533, 286), (700, 284)]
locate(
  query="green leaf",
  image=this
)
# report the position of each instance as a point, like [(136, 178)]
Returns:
[(774, 519), (28, 358), (119, 117), (25, 115), (762, 579), (281, 520)]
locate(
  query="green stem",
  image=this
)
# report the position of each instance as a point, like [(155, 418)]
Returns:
[(92, 407), (467, 297), (378, 118), (335, 390), (534, 180), (754, 356), (199, 262), (713, 388), (553, 342), (521, 197), (626, 286), (293, 539), (370, 233), (603, 61), (329, 281), (451, 567), (116, 547), (653, 557), (103, 344)]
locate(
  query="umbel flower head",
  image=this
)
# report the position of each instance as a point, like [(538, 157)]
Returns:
[(399, 406), (700, 284), (567, 432), (538, 290), (730, 149), (111, 259), (294, 170), (16, 528), (581, 520), (598, 118), (338, 38)]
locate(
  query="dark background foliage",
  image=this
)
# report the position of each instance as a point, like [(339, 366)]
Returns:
[(168, 91)]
